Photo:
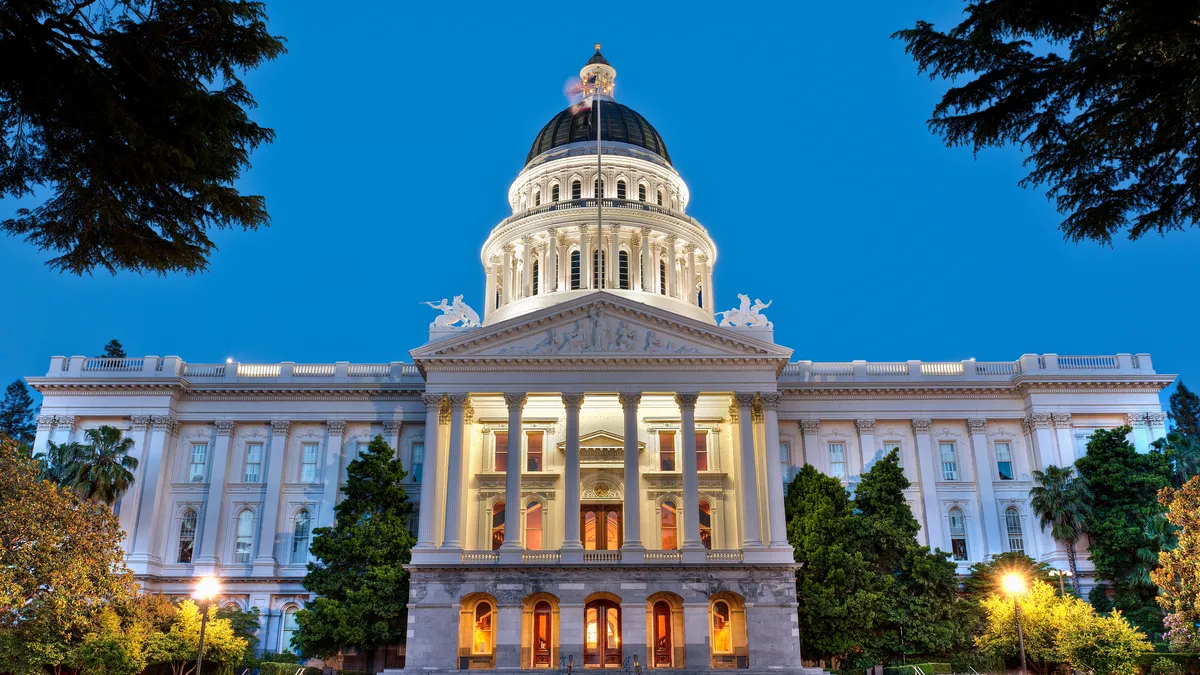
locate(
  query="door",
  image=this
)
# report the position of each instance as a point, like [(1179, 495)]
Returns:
[(602, 634), (541, 635), (663, 649), (601, 526)]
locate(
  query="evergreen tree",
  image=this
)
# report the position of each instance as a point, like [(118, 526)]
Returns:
[(358, 577), (1062, 503), (986, 578), (16, 414), (1180, 566), (1185, 411), (113, 350), (1182, 454), (888, 521)]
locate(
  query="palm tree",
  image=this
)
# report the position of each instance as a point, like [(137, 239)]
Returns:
[(104, 469), (1062, 502), (1157, 535), (58, 463)]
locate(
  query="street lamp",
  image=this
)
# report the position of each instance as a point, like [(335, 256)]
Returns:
[(1062, 590), (1014, 585), (206, 591)]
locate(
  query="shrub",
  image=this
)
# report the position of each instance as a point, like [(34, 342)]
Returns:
[(927, 668), (1165, 666), (1187, 662), (269, 668)]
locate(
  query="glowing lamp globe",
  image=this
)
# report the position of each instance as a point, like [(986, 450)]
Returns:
[(207, 588), (1014, 584)]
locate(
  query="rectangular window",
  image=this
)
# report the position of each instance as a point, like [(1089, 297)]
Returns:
[(254, 453), (198, 463), (889, 446), (418, 461), (702, 451), (837, 460), (1004, 466), (666, 451), (949, 462), (501, 451), (308, 462), (1012, 522), (533, 450), (785, 459)]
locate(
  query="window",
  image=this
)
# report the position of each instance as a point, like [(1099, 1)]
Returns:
[(706, 524), (533, 450), (666, 451), (598, 268), (360, 449), (837, 460), (481, 636), (722, 631), (497, 525), (554, 192), (888, 446), (598, 187), (198, 463), (623, 270), (620, 189), (300, 531), (785, 455), (670, 526), (659, 197), (537, 197), (641, 193), (958, 534), (533, 526), (244, 543), (289, 630), (576, 190), (949, 463), (1012, 521), (501, 451), (662, 277), (308, 462), (535, 276), (702, 451), (418, 461), (253, 463), (575, 274), (187, 536), (1004, 465)]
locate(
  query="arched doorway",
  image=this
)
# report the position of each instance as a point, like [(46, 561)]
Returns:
[(602, 634), (663, 645), (665, 631)]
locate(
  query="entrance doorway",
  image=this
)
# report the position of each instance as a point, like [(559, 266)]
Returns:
[(663, 648), (601, 526), (602, 634)]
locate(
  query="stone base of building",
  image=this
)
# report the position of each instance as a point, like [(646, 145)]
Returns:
[(449, 628)]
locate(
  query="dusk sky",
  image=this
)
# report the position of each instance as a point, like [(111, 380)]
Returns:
[(801, 132)]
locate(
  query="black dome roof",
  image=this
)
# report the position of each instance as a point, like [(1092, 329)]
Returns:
[(621, 124)]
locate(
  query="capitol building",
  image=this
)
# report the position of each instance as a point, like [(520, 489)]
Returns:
[(599, 456)]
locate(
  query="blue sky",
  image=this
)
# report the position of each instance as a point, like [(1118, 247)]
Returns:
[(800, 130)]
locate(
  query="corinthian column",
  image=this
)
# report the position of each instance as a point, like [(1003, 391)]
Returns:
[(778, 528), (427, 509), (552, 262), (526, 266), (454, 464), (585, 257), (512, 476), (632, 548), (706, 282), (571, 541), (612, 268), (506, 286), (672, 283), (489, 292), (751, 530), (689, 279), (206, 556), (691, 477), (646, 282)]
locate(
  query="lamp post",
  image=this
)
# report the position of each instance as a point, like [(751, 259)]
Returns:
[(206, 591), (1014, 585), (1062, 589)]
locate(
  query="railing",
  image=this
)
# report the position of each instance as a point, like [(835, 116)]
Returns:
[(942, 368), (601, 556), (996, 368), (107, 365), (732, 555), (1087, 362), (574, 204), (885, 368), (540, 556), (258, 370), (833, 369), (1029, 365), (369, 370), (663, 556), (480, 556), (313, 370), (203, 370)]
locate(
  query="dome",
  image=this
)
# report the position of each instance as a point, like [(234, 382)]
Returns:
[(621, 124)]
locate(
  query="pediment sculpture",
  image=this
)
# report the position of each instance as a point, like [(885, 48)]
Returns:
[(746, 315), (599, 333), (455, 312)]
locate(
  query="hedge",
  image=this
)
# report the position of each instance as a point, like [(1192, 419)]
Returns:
[(927, 668), (1190, 662), (268, 668)]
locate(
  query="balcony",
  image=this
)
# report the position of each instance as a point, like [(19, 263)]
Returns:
[(619, 205), (617, 557)]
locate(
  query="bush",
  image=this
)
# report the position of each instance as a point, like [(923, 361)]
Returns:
[(1185, 661), (352, 672), (269, 668), (1164, 666), (927, 668)]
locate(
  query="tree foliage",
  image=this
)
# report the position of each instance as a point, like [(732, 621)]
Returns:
[(358, 577), (132, 114), (1184, 411), (113, 350), (179, 646), (100, 469), (1182, 453), (1101, 94), (1179, 567), (986, 578), (1062, 502), (17, 414)]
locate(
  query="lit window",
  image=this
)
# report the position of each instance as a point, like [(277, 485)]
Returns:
[(481, 637), (889, 446), (670, 527), (245, 537), (501, 452), (666, 451), (187, 536), (598, 187), (702, 451), (289, 630), (497, 525), (641, 193), (837, 460), (949, 462), (300, 532), (1012, 521), (623, 270), (535, 276), (598, 268), (576, 190), (253, 470), (659, 198), (198, 463), (533, 526), (554, 192), (418, 461), (308, 462), (537, 197), (706, 524), (575, 274), (662, 277), (620, 189), (1004, 464), (533, 450), (722, 630), (958, 534)]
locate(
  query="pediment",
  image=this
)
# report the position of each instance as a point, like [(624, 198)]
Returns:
[(600, 325)]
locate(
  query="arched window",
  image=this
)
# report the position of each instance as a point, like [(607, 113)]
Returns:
[(663, 647), (576, 190), (300, 533), (542, 638), (670, 520), (722, 628), (537, 197), (244, 545), (554, 192), (289, 630), (187, 536), (706, 524), (533, 526), (641, 192), (958, 534), (535, 276), (598, 268), (1012, 521), (497, 525), (522, 202), (575, 274), (598, 187), (481, 635), (662, 277), (621, 189), (659, 197), (623, 269)]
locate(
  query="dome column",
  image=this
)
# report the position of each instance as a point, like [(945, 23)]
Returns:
[(552, 262), (647, 282), (489, 293), (526, 266), (585, 257), (672, 282), (706, 281), (689, 280), (611, 268), (506, 294)]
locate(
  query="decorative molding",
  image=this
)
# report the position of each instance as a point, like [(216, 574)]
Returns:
[(921, 425), (865, 425), (977, 425), (516, 400), (745, 399), (1036, 420), (280, 427), (432, 401), (686, 399), (459, 400), (336, 426), (1137, 420), (224, 427), (1062, 420), (770, 400), (810, 426)]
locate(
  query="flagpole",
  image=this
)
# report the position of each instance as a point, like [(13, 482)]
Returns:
[(599, 189)]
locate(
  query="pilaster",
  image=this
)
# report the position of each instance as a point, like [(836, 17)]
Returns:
[(1141, 432), (206, 556), (692, 547), (429, 478), (264, 562), (930, 474), (1063, 434), (985, 474), (511, 549)]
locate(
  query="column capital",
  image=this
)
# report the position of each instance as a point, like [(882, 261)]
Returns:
[(527, 239), (810, 426), (458, 400), (689, 247), (687, 399), (1037, 421), (865, 425), (629, 399), (224, 427), (733, 411), (508, 248), (921, 425), (140, 422), (516, 400), (771, 399), (671, 238), (280, 427), (757, 415), (493, 259), (1156, 419), (646, 230), (391, 426), (336, 426), (1062, 420), (70, 422), (45, 422), (167, 423), (432, 401), (701, 258), (977, 425), (572, 399), (614, 228), (1137, 420), (468, 413), (553, 232), (583, 228), (745, 399)]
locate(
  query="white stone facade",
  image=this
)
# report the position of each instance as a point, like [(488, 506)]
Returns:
[(639, 450)]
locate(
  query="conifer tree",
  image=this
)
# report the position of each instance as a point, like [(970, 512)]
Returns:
[(113, 350), (358, 574), (1185, 411), (16, 414)]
